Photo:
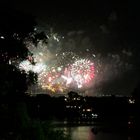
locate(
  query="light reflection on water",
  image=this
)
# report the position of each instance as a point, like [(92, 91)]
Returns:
[(85, 133), (82, 133), (79, 133)]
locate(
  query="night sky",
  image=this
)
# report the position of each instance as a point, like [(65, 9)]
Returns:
[(109, 29)]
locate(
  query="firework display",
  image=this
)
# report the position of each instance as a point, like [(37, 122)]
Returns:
[(58, 70), (72, 63)]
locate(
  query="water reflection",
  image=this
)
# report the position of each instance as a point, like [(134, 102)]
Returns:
[(82, 133), (111, 136), (79, 133), (85, 133)]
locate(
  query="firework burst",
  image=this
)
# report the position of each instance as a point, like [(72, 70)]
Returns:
[(58, 70), (82, 72)]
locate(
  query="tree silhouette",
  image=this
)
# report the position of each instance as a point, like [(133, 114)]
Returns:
[(14, 27), (14, 119)]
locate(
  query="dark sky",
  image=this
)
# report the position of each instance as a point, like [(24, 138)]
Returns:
[(72, 14), (113, 25), (121, 17)]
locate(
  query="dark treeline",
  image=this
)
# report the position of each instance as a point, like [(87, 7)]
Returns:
[(72, 107)]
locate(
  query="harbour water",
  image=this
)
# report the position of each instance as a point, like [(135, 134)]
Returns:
[(94, 132)]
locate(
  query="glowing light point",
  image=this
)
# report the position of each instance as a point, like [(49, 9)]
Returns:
[(2, 37)]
